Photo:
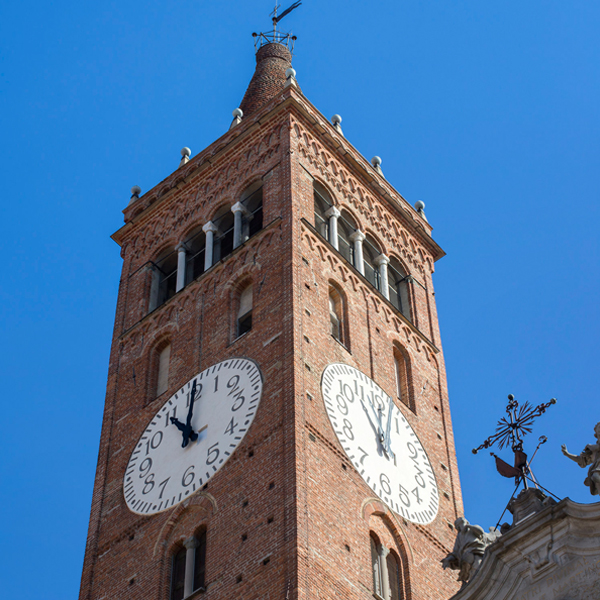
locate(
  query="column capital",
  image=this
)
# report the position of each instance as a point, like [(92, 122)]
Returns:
[(210, 226), (192, 543), (383, 551), (382, 259), (181, 247), (357, 236), (332, 211), (239, 207)]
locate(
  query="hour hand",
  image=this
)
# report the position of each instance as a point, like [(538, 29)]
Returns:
[(377, 425), (178, 424)]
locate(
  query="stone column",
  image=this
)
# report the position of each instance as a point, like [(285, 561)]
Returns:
[(181, 256), (154, 281), (190, 554), (357, 238), (382, 262), (209, 229), (385, 576), (333, 214), (238, 210)]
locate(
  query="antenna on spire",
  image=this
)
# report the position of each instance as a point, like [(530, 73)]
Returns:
[(277, 37)]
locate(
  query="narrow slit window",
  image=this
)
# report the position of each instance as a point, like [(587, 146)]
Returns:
[(336, 315), (244, 317), (178, 575), (162, 378)]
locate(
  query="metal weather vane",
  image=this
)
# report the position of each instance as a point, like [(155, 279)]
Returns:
[(277, 36), (510, 431)]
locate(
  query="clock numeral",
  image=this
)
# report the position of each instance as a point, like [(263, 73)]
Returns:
[(168, 416), (232, 384), (384, 480), (162, 487), (404, 498), (231, 427), (216, 383), (362, 391), (347, 429), (214, 451), (342, 406), (419, 477), (188, 476), (145, 467), (414, 455), (148, 483), (415, 493), (397, 426), (364, 455), (189, 394), (239, 400), (154, 443), (347, 391)]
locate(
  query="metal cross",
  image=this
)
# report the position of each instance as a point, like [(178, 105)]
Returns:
[(513, 428)]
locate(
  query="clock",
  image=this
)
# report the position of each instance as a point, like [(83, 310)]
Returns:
[(380, 443), (192, 436)]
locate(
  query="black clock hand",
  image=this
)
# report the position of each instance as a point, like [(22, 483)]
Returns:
[(178, 424), (388, 430), (191, 434)]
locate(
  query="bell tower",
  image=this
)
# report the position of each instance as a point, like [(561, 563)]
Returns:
[(276, 422)]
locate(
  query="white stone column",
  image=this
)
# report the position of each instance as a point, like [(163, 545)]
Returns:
[(382, 262), (190, 554), (357, 238), (209, 229), (238, 210), (181, 256), (333, 215), (154, 281), (385, 577)]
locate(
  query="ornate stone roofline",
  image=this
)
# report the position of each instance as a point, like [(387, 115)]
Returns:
[(539, 551), (140, 210)]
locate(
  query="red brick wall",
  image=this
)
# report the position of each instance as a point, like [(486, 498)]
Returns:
[(319, 504)]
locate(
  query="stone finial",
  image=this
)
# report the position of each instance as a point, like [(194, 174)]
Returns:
[(529, 502), (376, 162), (337, 120), (469, 547), (420, 208), (185, 156), (290, 77), (238, 115), (136, 190), (590, 456)]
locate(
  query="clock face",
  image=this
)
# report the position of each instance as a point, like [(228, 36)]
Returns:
[(209, 415), (380, 443)]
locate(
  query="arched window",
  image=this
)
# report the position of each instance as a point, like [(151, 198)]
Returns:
[(376, 566), (322, 203), (223, 240), (195, 251), (164, 278), (370, 253), (398, 288), (402, 371), (188, 567), (346, 228), (393, 569), (387, 582), (252, 199), (162, 369), (336, 316), (244, 314)]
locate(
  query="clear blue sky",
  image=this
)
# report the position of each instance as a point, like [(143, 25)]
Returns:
[(486, 111)]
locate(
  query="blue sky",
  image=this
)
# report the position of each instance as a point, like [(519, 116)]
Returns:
[(488, 112)]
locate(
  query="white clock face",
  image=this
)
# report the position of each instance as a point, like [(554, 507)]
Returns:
[(380, 443), (191, 437)]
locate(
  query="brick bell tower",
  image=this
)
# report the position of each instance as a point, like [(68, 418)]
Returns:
[(276, 422)]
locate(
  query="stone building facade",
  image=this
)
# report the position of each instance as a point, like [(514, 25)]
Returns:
[(339, 268)]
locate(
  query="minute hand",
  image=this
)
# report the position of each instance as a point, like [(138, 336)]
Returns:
[(388, 430)]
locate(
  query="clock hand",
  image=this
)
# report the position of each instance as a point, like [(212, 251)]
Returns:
[(388, 431), (190, 434), (376, 428), (178, 424)]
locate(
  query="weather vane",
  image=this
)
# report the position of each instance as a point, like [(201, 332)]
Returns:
[(510, 431), (267, 38)]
